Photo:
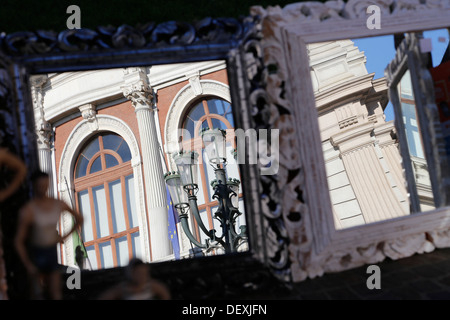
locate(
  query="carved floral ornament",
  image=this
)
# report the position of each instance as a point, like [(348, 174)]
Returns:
[(314, 246)]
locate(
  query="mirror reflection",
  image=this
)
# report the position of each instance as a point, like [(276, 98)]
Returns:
[(415, 142), (114, 143), (359, 139)]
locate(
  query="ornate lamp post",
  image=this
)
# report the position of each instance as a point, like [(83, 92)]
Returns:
[(183, 187)]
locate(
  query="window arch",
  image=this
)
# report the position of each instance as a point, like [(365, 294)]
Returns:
[(103, 179), (210, 112)]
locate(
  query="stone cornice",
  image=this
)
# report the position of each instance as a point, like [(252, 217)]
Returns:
[(352, 89)]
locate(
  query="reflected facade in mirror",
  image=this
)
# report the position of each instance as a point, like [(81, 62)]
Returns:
[(108, 136), (360, 146)]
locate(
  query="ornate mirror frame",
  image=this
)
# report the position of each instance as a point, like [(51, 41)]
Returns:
[(315, 246), (233, 40)]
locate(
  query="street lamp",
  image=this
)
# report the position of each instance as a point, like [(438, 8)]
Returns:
[(183, 187)]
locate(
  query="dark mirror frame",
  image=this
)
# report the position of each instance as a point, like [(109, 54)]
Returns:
[(266, 265)]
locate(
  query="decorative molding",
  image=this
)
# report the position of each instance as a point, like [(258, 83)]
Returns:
[(44, 129), (339, 10), (194, 81), (89, 113)]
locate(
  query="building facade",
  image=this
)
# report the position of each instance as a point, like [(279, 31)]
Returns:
[(362, 159), (106, 137)]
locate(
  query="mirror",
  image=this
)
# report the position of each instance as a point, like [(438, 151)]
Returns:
[(360, 142), (107, 136), (95, 96)]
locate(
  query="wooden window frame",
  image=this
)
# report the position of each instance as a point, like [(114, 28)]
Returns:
[(104, 178)]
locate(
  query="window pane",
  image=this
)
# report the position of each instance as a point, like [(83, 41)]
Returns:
[(189, 125), (106, 256), (92, 257), (216, 106), (229, 117), (209, 173), (216, 223), (111, 141), (96, 165), (197, 112), (131, 201), (218, 124), (200, 196), (91, 149), (81, 167), (117, 211), (101, 211), (85, 208), (232, 166), (122, 251), (412, 131), (111, 161), (135, 238), (241, 220), (124, 152)]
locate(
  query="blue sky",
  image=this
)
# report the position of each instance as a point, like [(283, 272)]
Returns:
[(380, 51)]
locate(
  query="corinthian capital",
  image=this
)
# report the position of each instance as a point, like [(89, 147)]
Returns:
[(44, 133), (136, 87)]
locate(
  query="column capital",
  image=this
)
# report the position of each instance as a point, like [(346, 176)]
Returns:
[(44, 133), (136, 88)]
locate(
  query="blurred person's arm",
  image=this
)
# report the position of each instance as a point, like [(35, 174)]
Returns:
[(13, 162), (78, 219)]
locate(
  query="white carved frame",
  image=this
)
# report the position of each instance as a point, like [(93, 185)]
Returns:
[(80, 134), (315, 245)]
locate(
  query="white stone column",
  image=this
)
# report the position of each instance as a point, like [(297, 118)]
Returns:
[(44, 130), (139, 92)]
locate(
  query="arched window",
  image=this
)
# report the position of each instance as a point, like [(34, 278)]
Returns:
[(104, 190), (210, 112)]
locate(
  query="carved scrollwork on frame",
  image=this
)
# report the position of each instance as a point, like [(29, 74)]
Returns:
[(285, 210), (281, 193), (340, 10), (7, 129), (147, 35)]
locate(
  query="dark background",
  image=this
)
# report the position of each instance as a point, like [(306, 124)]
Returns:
[(30, 15)]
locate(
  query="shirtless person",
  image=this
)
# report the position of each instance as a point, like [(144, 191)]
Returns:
[(38, 223)]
